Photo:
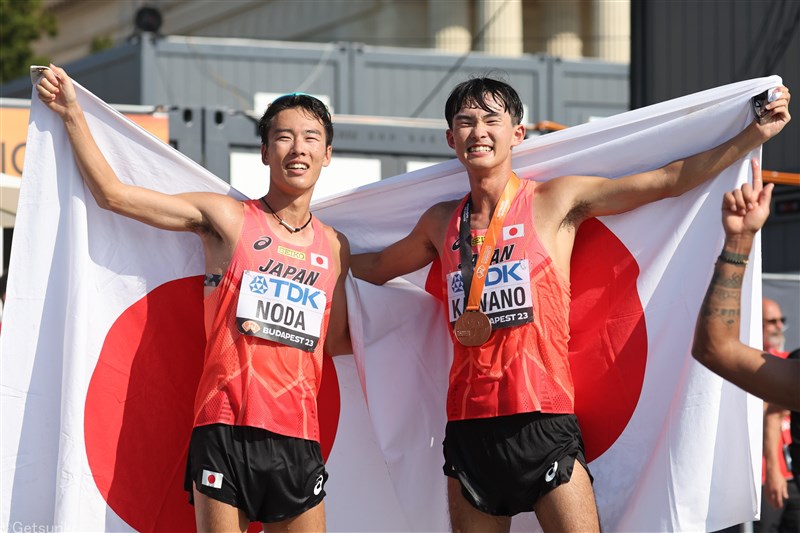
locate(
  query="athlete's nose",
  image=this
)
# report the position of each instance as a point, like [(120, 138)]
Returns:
[(299, 147), (478, 131)]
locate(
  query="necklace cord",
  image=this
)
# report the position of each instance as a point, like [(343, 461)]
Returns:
[(285, 224)]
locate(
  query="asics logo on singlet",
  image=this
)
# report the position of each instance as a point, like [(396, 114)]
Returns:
[(548, 477), (262, 242), (318, 486)]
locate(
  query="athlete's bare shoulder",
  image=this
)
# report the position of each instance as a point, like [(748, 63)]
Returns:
[(336, 238), (222, 215), (555, 201), (433, 222), (222, 218), (556, 189), (340, 246), (441, 212)]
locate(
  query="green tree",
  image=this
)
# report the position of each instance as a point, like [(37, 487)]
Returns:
[(100, 43), (21, 23)]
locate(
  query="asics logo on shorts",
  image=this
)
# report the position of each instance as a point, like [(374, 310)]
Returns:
[(318, 486), (548, 477)]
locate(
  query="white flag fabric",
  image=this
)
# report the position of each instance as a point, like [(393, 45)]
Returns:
[(102, 340)]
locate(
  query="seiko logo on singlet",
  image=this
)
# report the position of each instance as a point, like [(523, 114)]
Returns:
[(476, 241), (294, 254)]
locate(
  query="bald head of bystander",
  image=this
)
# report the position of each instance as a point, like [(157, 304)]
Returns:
[(773, 326)]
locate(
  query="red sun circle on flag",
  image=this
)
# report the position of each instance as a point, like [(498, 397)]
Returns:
[(139, 407), (608, 336)]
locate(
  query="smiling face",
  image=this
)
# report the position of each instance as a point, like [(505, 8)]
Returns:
[(483, 137), (295, 151)]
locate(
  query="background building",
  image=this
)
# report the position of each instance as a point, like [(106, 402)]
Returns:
[(570, 29), (385, 67), (684, 47)]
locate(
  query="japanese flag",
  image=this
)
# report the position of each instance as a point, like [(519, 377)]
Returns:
[(514, 231), (212, 479), (102, 343), (319, 261)]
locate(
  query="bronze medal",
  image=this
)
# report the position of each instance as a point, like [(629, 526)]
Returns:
[(472, 328)]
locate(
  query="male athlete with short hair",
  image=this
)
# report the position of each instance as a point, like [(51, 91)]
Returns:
[(512, 442), (274, 300)]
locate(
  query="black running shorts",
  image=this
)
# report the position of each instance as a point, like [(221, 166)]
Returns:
[(505, 464), (270, 477)]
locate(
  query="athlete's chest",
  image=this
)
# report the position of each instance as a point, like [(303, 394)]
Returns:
[(284, 291)]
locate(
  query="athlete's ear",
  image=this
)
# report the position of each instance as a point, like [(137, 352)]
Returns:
[(519, 134), (264, 158), (450, 141), (328, 154)]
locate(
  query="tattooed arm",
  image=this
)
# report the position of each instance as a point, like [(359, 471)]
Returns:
[(716, 339)]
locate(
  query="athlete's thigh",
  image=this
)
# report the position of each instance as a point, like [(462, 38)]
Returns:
[(571, 506), (212, 516), (310, 521), (464, 518)]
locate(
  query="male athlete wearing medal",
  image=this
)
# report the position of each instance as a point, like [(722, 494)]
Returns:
[(512, 442), (274, 288)]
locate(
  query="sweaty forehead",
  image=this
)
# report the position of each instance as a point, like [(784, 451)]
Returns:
[(296, 114), (490, 104), (296, 118)]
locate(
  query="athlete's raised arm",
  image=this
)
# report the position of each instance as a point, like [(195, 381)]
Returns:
[(593, 196), (182, 212)]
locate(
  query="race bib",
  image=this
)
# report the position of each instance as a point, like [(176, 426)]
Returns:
[(506, 298), (280, 310)]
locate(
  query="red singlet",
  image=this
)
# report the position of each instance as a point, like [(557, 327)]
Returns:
[(523, 367), (280, 292)]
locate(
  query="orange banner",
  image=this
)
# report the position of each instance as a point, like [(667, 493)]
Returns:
[(14, 133)]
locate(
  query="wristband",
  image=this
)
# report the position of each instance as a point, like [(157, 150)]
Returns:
[(733, 259)]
